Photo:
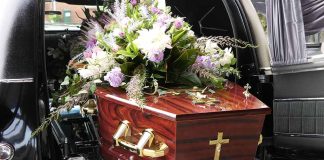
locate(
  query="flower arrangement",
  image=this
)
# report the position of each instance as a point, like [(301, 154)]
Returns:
[(141, 46)]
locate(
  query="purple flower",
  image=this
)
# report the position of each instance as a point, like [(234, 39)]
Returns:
[(91, 51), (91, 43), (178, 23), (164, 20), (133, 2), (155, 56), (87, 53), (115, 77), (92, 29), (155, 10), (117, 32), (121, 34), (203, 62)]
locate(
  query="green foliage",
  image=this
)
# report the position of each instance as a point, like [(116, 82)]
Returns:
[(55, 18), (178, 35), (183, 60), (263, 20), (127, 53)]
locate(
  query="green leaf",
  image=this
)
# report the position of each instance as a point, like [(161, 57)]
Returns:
[(217, 81), (162, 67), (178, 35), (66, 81), (102, 42), (185, 60), (127, 67), (174, 55), (157, 76), (67, 98), (93, 88), (134, 48), (189, 78), (127, 54), (129, 10), (233, 61), (181, 64), (128, 49)]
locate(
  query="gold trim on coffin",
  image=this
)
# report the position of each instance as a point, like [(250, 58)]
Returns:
[(154, 150)]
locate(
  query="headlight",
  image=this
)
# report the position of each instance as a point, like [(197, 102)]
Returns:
[(6, 151)]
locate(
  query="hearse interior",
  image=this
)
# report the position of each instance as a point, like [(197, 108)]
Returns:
[(285, 71)]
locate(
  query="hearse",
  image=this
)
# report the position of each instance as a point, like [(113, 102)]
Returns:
[(285, 71)]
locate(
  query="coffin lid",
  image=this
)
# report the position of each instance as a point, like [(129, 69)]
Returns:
[(180, 107)]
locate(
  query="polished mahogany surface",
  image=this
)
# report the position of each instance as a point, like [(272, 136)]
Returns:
[(231, 101), (185, 127), (243, 132), (110, 116)]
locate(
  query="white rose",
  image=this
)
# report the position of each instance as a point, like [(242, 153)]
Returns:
[(228, 50), (225, 60), (191, 33), (211, 47), (217, 64), (90, 71)]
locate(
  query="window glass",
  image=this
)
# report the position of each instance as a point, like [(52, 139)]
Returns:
[(63, 16), (203, 16), (315, 42), (260, 7)]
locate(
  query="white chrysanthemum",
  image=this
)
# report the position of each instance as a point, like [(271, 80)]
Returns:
[(211, 47), (227, 57), (99, 62), (191, 33), (153, 40), (90, 71), (97, 57)]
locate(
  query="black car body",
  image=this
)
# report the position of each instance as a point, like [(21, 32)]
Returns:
[(23, 92)]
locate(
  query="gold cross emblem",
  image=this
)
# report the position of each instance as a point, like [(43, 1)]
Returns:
[(218, 142)]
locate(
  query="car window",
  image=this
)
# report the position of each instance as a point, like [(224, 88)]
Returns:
[(260, 7), (61, 16), (315, 42)]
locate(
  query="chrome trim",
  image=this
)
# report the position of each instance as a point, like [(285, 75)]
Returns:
[(18, 80), (300, 99), (7, 151), (299, 135), (314, 64)]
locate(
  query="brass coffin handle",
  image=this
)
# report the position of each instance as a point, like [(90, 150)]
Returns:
[(260, 139), (155, 149)]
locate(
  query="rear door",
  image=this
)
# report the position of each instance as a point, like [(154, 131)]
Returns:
[(23, 95)]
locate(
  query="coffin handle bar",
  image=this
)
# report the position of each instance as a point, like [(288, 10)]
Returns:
[(154, 149)]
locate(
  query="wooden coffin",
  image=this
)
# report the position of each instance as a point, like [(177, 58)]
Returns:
[(189, 130)]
